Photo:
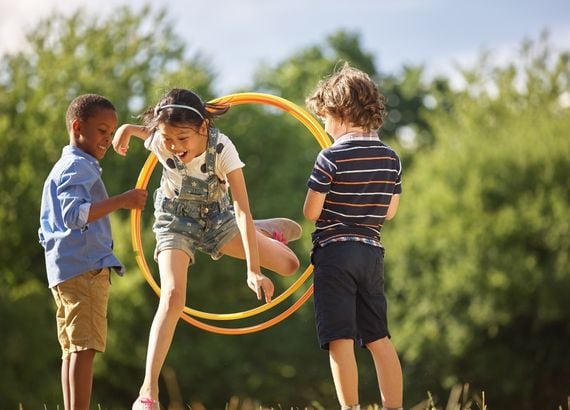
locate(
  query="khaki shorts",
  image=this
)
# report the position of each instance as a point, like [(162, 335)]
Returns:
[(82, 311)]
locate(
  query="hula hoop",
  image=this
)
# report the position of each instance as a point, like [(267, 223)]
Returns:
[(320, 135)]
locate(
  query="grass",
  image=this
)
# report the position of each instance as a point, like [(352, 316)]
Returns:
[(460, 398)]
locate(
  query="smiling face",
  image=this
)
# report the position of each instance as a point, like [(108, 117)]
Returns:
[(184, 142), (94, 134)]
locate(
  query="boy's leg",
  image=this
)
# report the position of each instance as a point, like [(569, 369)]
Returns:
[(173, 268), (65, 383), (388, 372), (282, 229), (81, 379), (344, 371), (82, 329)]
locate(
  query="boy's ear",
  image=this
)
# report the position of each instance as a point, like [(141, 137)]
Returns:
[(76, 126)]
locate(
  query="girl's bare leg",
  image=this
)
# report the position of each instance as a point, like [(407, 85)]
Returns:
[(273, 255), (173, 267)]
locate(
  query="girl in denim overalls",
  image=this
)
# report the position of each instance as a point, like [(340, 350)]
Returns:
[(193, 212)]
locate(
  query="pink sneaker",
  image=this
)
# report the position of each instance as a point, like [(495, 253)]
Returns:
[(282, 229), (146, 403), (278, 236)]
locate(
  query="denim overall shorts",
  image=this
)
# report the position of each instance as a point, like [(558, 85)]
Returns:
[(201, 216)]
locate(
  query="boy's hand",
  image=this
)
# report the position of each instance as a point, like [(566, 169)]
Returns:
[(134, 199), (261, 285)]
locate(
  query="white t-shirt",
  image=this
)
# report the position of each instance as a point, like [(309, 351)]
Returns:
[(227, 161)]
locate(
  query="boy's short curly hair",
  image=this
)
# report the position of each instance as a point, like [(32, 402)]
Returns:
[(85, 106), (351, 96)]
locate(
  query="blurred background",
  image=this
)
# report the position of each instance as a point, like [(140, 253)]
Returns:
[(477, 268)]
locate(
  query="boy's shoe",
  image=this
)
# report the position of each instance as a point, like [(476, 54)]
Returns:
[(146, 403), (282, 229)]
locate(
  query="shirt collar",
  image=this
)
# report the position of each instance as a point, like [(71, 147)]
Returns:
[(357, 136), (72, 150)]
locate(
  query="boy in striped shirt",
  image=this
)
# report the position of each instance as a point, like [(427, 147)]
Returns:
[(354, 187)]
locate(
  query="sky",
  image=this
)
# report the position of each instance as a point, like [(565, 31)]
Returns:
[(237, 35)]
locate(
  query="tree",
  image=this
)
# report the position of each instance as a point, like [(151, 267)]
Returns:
[(476, 259), (405, 93), (67, 56), (128, 58), (479, 250)]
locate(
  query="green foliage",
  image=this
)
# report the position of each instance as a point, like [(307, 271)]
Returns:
[(130, 58), (295, 77), (480, 248), (477, 259), (405, 93)]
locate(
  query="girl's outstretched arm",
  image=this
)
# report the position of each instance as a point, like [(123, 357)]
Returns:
[(123, 136), (256, 281)]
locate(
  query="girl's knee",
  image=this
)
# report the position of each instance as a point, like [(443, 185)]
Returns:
[(173, 300), (292, 265)]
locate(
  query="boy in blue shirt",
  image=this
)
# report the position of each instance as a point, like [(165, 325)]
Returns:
[(354, 187), (75, 231)]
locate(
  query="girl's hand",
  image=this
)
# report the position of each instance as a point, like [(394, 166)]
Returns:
[(121, 140), (123, 135), (261, 285)]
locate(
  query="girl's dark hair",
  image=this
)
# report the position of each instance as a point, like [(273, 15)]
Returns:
[(182, 117)]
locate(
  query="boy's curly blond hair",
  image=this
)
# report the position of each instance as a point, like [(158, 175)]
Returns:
[(351, 96)]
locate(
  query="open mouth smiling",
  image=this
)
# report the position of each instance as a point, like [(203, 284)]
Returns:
[(181, 155)]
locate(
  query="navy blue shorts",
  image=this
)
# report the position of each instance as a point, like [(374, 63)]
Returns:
[(349, 293)]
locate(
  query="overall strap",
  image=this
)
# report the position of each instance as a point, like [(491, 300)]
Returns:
[(211, 151)]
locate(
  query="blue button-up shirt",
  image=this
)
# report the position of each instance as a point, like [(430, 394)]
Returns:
[(72, 246)]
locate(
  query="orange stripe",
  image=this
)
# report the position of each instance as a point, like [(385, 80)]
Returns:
[(365, 225), (343, 235), (365, 159), (371, 226), (366, 182), (350, 204), (324, 172)]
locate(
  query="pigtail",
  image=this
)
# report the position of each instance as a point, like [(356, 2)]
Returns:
[(214, 110), (148, 117)]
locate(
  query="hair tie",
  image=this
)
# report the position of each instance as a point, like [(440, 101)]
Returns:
[(158, 109)]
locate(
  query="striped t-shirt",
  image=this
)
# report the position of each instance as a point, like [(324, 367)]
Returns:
[(359, 174)]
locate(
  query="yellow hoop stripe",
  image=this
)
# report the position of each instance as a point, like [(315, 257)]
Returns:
[(320, 135)]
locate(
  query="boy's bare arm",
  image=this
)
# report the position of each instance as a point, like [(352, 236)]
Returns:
[(133, 199), (393, 208), (314, 203)]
